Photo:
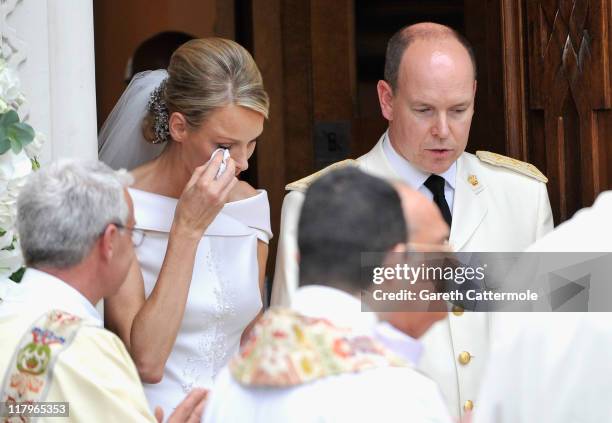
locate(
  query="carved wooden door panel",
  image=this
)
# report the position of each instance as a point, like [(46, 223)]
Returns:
[(569, 98)]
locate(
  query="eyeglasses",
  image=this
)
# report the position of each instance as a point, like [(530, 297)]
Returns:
[(138, 235)]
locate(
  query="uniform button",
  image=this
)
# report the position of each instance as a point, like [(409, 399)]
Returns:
[(468, 405), (457, 310), (464, 357)]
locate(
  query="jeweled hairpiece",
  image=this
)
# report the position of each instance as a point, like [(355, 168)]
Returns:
[(157, 106)]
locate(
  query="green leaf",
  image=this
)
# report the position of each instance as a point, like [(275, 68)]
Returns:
[(25, 132), (9, 118), (2, 232), (4, 145), (35, 164), (15, 145), (18, 275)]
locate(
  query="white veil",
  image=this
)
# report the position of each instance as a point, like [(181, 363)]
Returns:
[(120, 141)]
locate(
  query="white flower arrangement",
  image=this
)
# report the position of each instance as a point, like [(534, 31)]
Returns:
[(19, 149)]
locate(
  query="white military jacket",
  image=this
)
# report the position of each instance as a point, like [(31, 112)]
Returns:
[(495, 208)]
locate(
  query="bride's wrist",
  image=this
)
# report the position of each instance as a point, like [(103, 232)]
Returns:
[(185, 232)]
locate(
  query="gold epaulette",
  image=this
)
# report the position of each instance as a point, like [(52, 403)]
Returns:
[(512, 164), (303, 184)]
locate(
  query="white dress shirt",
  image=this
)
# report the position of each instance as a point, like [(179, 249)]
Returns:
[(415, 178), (388, 394)]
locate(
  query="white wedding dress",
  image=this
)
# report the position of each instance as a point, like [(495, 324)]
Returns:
[(224, 295)]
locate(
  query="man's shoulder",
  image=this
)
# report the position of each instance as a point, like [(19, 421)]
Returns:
[(98, 354), (406, 375), (501, 168), (100, 335), (372, 162), (301, 185), (103, 341), (369, 390)]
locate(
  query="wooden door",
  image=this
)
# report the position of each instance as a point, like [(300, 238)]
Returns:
[(569, 114), (120, 26)]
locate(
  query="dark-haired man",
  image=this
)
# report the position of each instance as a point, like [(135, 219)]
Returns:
[(491, 202), (319, 361)]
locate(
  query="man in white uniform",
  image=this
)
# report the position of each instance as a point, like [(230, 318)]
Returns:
[(556, 369), (76, 225), (318, 362), (491, 202)]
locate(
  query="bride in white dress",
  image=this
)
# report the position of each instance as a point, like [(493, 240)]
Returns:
[(198, 281)]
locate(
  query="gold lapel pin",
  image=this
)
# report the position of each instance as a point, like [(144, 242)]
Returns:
[(473, 180)]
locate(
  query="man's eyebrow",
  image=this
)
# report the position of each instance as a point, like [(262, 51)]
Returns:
[(418, 103)]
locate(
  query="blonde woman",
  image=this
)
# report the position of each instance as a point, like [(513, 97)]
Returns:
[(198, 280)]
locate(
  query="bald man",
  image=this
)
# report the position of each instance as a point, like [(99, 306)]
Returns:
[(427, 231), (490, 202), (426, 225)]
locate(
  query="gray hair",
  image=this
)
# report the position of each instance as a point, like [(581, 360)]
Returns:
[(63, 209)]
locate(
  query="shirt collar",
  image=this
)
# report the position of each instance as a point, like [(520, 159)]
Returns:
[(339, 307), (49, 292), (403, 345), (411, 174)]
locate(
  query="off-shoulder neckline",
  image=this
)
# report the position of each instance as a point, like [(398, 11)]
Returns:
[(260, 192)]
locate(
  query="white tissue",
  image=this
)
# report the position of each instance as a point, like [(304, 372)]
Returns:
[(226, 155)]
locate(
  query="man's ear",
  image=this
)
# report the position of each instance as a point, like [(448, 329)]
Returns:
[(385, 98), (392, 258), (105, 242), (177, 126)]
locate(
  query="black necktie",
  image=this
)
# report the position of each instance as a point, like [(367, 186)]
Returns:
[(435, 184)]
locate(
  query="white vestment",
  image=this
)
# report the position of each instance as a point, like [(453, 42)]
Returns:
[(384, 394), (555, 367), (95, 373)]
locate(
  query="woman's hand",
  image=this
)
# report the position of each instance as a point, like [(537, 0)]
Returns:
[(204, 197)]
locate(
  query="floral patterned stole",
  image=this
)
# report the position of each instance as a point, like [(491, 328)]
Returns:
[(287, 349), (28, 375)]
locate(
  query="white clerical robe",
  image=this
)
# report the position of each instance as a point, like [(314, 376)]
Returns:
[(555, 367), (384, 394), (94, 374)]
